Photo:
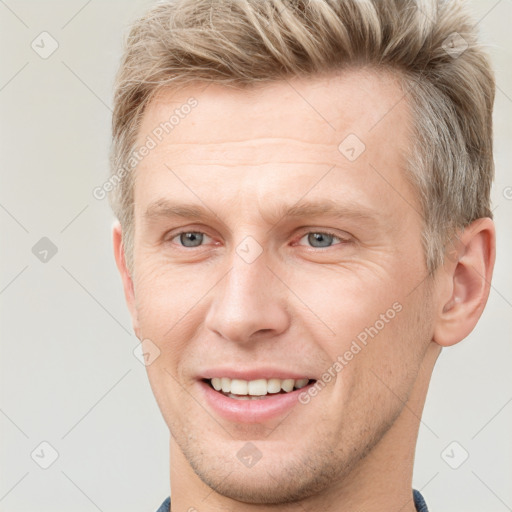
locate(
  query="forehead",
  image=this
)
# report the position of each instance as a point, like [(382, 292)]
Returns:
[(267, 136), (361, 100)]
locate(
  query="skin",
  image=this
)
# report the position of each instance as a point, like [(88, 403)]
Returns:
[(244, 155)]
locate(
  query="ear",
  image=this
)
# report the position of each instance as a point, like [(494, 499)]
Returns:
[(129, 293), (465, 282)]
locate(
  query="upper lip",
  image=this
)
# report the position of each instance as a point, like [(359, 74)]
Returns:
[(252, 373)]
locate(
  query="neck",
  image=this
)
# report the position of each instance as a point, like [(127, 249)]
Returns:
[(382, 480)]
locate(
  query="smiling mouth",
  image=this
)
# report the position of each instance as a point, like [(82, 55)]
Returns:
[(258, 389)]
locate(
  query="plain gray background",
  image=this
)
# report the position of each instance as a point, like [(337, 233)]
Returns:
[(69, 377)]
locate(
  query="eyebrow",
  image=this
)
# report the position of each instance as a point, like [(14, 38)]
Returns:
[(164, 208)]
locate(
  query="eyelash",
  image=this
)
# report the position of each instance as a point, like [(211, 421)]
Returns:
[(328, 233)]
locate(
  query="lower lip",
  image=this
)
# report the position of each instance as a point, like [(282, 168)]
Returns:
[(251, 411)]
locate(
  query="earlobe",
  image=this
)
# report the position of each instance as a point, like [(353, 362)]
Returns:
[(467, 277), (129, 292)]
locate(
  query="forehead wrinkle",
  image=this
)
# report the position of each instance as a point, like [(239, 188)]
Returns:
[(251, 152)]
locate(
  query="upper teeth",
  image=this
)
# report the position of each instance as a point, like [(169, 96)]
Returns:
[(257, 387)]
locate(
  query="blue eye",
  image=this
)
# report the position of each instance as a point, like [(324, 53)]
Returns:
[(190, 238), (320, 239), (316, 239)]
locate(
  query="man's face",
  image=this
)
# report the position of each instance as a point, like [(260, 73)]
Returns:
[(251, 292)]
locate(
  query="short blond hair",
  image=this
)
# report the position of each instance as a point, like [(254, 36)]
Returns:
[(430, 44)]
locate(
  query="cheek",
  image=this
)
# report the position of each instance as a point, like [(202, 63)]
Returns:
[(172, 303), (350, 305), (379, 331), (165, 294), (394, 350), (167, 308), (379, 374)]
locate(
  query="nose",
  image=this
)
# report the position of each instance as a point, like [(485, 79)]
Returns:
[(249, 303)]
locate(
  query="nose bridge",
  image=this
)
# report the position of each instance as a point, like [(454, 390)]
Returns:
[(249, 300)]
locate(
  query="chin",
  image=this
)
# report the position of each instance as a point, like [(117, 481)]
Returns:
[(260, 487), (274, 480)]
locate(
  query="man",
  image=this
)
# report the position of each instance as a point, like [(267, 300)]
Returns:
[(302, 191)]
